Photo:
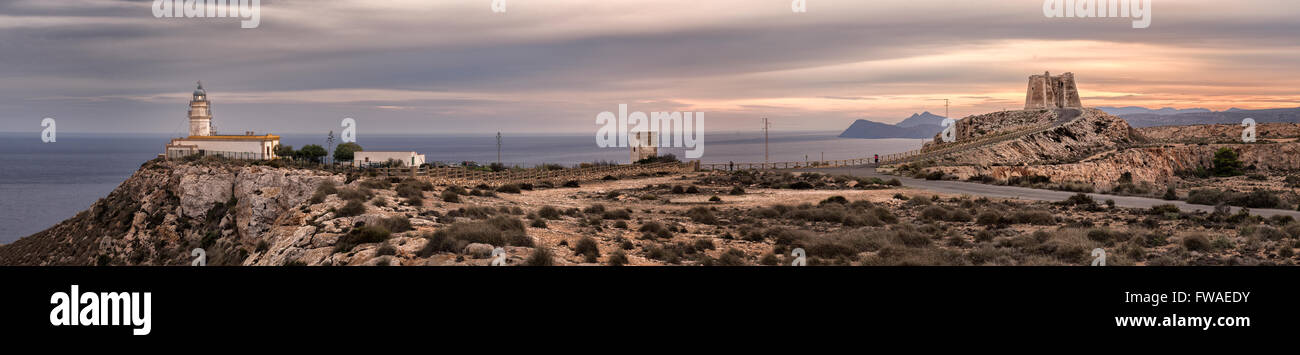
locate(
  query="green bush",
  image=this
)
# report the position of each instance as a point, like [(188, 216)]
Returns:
[(737, 190), (1226, 163), (1258, 198), (989, 218), (1196, 242), (1164, 209), (617, 258), (588, 248), (357, 194), (395, 224), (702, 215), (1041, 218), (934, 213), (1205, 196), (1079, 199), (361, 235), (509, 188), (541, 256), (351, 209), (549, 212)]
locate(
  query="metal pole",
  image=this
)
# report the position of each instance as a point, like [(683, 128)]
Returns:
[(765, 126), (499, 148)]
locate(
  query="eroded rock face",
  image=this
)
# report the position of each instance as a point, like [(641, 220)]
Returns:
[(203, 187), (166, 209), (1223, 133), (265, 193), (1080, 134), (1153, 165)]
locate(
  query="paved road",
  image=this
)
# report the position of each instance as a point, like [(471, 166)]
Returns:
[(977, 189)]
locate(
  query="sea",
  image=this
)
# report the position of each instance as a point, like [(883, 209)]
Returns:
[(42, 184)]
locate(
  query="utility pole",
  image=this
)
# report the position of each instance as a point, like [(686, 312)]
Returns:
[(499, 149), (766, 124)]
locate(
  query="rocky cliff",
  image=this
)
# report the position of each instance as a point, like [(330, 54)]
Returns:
[(166, 209), (1077, 134), (1154, 165), (1223, 133)]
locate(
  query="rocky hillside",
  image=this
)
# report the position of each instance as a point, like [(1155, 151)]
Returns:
[(1079, 133), (1152, 165), (166, 209), (1224, 117), (1224, 133)]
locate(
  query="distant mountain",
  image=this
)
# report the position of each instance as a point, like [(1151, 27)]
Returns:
[(924, 118), (922, 125), (1128, 110), (1233, 115)]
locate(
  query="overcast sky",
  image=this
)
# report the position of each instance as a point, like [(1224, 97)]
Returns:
[(549, 66)]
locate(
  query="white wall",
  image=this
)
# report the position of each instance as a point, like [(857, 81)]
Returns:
[(360, 158), (255, 147)]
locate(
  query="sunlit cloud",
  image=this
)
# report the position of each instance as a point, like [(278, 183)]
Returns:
[(552, 65)]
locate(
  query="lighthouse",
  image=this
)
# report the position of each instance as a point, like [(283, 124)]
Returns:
[(200, 113)]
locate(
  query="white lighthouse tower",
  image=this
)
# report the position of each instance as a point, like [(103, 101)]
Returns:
[(200, 113)]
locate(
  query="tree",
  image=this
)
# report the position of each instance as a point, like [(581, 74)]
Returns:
[(285, 151), (312, 152), (344, 152), (1226, 163)]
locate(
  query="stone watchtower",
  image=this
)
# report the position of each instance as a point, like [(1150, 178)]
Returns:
[(1052, 92), (645, 144), (200, 113)]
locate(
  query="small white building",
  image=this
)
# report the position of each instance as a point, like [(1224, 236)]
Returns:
[(202, 141), (369, 158)]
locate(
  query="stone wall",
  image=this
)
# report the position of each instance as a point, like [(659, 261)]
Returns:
[(1050, 92)]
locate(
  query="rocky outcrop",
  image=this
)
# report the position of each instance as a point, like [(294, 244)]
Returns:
[(166, 209), (1222, 133), (1154, 165), (1077, 134)]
